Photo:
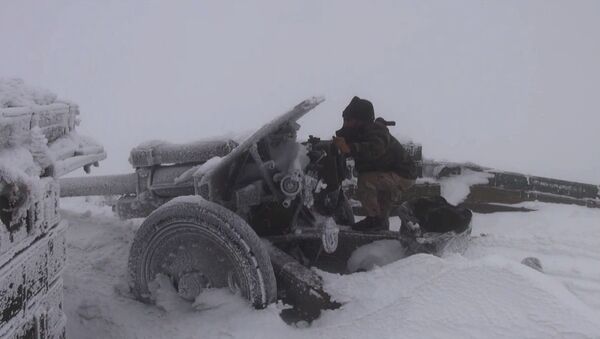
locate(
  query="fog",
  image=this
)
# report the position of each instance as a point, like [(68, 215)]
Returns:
[(509, 84)]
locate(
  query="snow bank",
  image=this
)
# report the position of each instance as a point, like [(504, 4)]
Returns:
[(376, 254), (487, 293), (428, 297), (15, 93), (566, 239)]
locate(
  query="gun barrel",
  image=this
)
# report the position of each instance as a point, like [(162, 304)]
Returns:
[(99, 185)]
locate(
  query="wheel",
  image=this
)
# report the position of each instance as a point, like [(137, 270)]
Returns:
[(198, 244)]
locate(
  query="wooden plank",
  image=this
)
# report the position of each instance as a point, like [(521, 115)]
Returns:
[(487, 208), (517, 181), (491, 194), (25, 285), (55, 120)]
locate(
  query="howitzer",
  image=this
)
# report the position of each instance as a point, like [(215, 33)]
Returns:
[(208, 204), (164, 171), (250, 216)]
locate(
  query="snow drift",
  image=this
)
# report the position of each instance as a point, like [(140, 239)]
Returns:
[(486, 293)]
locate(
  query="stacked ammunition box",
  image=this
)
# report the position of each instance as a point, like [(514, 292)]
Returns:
[(32, 243)]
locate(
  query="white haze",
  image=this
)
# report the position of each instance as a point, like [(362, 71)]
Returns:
[(509, 84)]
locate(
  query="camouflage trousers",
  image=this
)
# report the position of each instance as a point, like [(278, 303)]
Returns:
[(379, 191)]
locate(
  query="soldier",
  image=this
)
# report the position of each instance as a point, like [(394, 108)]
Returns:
[(385, 170)]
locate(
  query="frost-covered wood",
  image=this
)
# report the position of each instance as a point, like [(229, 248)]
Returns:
[(38, 143), (31, 288), (41, 215), (32, 255), (513, 188), (55, 120), (48, 130)]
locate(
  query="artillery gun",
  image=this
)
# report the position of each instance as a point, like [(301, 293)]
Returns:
[(251, 217), (209, 204)]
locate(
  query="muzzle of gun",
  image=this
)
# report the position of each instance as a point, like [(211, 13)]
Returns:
[(385, 122)]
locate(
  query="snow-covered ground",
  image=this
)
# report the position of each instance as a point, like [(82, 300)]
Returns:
[(485, 293)]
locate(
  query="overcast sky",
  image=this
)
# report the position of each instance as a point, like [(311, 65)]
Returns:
[(508, 84)]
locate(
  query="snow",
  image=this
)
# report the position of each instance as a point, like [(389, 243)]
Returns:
[(378, 253), (15, 93), (66, 146), (37, 133), (428, 297), (65, 154), (17, 165), (167, 299), (17, 162), (486, 292), (456, 188)]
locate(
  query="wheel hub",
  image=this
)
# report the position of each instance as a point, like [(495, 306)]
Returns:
[(191, 284)]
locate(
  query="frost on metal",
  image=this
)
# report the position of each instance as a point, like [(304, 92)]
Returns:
[(291, 116), (160, 152), (38, 143), (213, 181)]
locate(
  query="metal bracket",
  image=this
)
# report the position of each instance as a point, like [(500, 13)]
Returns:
[(263, 168)]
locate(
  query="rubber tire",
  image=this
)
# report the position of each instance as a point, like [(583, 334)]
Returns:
[(195, 213)]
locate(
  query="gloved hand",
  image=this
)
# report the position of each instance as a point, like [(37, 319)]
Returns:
[(414, 227), (341, 144)]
